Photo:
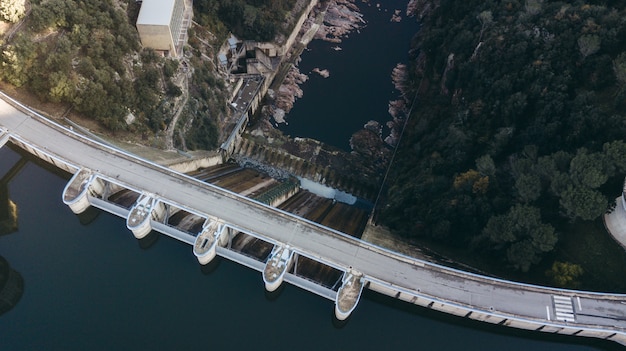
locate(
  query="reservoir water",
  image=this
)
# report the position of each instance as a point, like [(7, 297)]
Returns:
[(93, 287), (359, 87)]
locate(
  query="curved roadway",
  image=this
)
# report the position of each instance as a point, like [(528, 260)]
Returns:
[(411, 276)]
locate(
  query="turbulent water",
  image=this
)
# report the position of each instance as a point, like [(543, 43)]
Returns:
[(93, 287)]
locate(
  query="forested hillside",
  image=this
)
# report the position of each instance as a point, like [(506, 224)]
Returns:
[(518, 128), (87, 55), (77, 52), (259, 20)]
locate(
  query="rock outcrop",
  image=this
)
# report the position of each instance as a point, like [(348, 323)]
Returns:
[(289, 91), (341, 18)]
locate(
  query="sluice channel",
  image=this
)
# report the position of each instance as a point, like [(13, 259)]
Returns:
[(263, 188), (208, 174), (239, 181), (345, 218), (187, 222), (251, 246), (124, 198), (307, 205), (317, 272), (333, 214), (285, 195)]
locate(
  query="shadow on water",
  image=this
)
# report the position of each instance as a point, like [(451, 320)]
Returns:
[(39, 162), (147, 241), (337, 323), (274, 295), (211, 266), (486, 327), (88, 216), (11, 286)]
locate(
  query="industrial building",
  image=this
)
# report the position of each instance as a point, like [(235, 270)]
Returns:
[(162, 25)]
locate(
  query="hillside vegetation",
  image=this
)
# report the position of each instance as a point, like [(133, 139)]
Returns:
[(79, 52), (259, 20), (87, 55), (518, 127)]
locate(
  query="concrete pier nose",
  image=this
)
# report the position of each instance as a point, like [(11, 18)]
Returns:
[(141, 214), (277, 265), (349, 294), (206, 242), (75, 193)]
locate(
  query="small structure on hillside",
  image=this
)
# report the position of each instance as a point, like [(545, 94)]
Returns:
[(162, 25), (246, 57)]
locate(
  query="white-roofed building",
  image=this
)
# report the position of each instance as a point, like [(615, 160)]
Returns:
[(162, 26)]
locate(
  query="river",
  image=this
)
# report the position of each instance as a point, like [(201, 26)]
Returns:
[(359, 87), (93, 287)]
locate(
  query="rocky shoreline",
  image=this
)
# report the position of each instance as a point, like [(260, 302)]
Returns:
[(371, 150), (340, 18)]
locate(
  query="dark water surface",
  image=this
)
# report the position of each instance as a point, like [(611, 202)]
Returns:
[(92, 287), (359, 87)]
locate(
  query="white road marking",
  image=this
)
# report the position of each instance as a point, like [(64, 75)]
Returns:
[(563, 308)]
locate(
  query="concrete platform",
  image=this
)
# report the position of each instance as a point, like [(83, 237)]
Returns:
[(615, 222)]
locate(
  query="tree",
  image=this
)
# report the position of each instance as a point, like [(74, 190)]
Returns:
[(528, 187), (521, 255), (62, 88), (486, 166), (615, 157), (619, 67), (17, 60), (588, 170), (565, 274), (521, 234), (550, 80), (588, 44), (533, 7), (583, 202), (12, 10)]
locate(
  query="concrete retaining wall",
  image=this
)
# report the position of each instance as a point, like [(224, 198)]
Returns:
[(192, 165), (292, 37)]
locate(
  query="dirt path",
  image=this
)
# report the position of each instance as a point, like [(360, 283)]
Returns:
[(169, 132)]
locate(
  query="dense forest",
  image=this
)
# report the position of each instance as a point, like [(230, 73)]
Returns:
[(518, 127)]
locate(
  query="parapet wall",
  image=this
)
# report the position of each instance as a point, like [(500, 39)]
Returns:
[(194, 164), (494, 317)]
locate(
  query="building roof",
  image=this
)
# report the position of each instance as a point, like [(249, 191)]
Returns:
[(223, 59), (156, 12), (232, 41)]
